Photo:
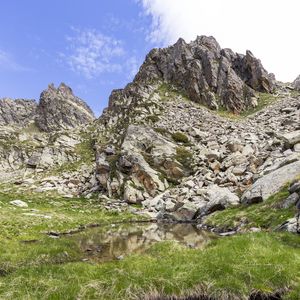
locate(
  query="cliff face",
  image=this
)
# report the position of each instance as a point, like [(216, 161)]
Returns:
[(17, 112)]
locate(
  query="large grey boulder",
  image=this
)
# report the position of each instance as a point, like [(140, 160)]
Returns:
[(291, 138), (271, 183), (59, 109), (291, 225), (218, 198), (17, 112)]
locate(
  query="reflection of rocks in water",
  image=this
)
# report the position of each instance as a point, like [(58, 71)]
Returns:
[(118, 241)]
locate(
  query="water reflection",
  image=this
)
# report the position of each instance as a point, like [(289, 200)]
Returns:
[(116, 242)]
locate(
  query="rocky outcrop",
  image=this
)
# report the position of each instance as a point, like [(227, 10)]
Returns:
[(140, 166), (293, 200), (272, 183), (296, 83), (59, 109), (17, 112), (207, 74), (190, 201)]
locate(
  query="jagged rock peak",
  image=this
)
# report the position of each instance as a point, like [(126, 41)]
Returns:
[(17, 112), (60, 109), (208, 74)]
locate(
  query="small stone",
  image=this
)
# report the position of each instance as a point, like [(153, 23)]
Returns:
[(18, 203), (291, 200)]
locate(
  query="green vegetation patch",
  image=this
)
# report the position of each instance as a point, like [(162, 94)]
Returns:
[(264, 100), (184, 156), (266, 215), (180, 137), (23, 238), (233, 266)]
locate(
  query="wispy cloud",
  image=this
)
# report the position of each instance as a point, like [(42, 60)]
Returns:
[(172, 19), (8, 63), (91, 53), (132, 65)]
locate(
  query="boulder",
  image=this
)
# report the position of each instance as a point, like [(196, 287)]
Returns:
[(291, 200), (291, 138), (271, 183)]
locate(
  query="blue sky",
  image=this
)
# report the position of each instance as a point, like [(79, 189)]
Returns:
[(95, 46)]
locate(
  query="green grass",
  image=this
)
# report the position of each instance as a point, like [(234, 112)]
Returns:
[(264, 100), (54, 214), (53, 268), (184, 156), (265, 215), (233, 266), (180, 137)]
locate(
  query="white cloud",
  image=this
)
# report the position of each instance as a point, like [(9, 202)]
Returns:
[(132, 65), (8, 63), (91, 53), (269, 28)]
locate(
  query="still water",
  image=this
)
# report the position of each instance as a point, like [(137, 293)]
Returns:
[(117, 241)]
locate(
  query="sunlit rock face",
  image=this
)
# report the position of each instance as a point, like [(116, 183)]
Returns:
[(208, 74), (60, 109), (17, 111)]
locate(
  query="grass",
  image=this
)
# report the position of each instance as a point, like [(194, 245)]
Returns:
[(45, 214), (180, 137), (265, 215), (232, 266), (184, 156), (36, 266), (264, 100)]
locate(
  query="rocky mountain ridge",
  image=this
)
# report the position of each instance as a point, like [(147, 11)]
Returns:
[(200, 129), (57, 109)]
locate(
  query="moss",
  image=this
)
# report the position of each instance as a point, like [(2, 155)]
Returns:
[(184, 156), (295, 93), (266, 215), (152, 118), (180, 137), (162, 131)]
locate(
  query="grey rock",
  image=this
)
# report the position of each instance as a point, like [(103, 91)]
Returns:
[(294, 187), (291, 138), (17, 112), (208, 74), (271, 183), (19, 203), (59, 109), (291, 200)]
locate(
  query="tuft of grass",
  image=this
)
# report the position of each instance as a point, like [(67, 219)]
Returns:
[(180, 137), (265, 215), (152, 118), (184, 156)]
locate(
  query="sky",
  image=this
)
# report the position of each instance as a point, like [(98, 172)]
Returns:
[(95, 46)]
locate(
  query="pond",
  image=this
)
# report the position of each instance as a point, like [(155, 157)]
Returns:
[(119, 240)]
